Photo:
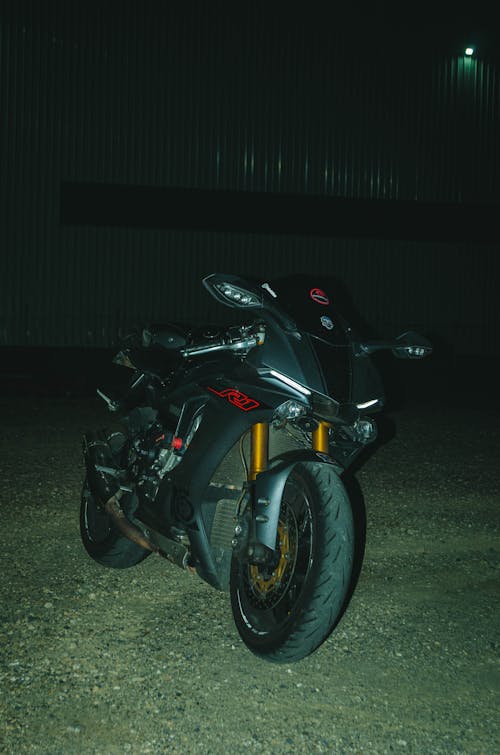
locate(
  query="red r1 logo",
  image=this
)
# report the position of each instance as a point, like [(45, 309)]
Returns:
[(236, 398)]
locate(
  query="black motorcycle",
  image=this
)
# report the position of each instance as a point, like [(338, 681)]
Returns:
[(190, 475)]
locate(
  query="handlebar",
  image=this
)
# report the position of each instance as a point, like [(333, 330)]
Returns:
[(241, 345)]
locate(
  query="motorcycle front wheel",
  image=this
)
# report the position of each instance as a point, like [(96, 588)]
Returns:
[(286, 611)]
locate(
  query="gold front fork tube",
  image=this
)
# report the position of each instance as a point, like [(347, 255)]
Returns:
[(259, 449), (320, 437)]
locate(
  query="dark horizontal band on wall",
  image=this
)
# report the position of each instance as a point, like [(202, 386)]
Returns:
[(259, 212), (79, 371)]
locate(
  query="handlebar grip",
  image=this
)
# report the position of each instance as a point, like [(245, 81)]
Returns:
[(245, 344)]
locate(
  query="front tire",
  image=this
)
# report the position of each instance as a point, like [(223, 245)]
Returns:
[(285, 613), (102, 540)]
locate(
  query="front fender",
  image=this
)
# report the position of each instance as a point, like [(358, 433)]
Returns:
[(268, 491)]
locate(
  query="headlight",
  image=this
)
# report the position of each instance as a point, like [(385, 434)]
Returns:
[(362, 431), (237, 296), (289, 410), (291, 383)]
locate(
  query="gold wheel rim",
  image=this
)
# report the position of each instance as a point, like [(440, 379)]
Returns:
[(266, 585)]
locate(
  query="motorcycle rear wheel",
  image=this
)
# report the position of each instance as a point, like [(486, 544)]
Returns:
[(285, 613), (102, 540)]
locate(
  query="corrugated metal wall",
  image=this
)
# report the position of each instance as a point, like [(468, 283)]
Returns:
[(202, 96)]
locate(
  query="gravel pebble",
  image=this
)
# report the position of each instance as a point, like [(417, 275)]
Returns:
[(148, 660)]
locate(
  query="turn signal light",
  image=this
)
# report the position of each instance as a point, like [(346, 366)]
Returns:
[(238, 296)]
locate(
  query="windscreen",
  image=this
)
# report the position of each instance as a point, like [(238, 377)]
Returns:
[(316, 306), (314, 309)]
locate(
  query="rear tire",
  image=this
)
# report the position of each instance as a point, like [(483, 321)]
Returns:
[(286, 613), (102, 540)]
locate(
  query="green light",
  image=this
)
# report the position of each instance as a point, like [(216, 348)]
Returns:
[(469, 51)]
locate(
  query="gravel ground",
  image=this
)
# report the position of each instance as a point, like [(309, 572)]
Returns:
[(148, 660)]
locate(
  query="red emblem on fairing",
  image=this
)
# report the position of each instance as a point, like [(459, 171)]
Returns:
[(319, 296), (236, 398)]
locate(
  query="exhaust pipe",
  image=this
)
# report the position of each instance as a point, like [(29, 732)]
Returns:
[(103, 478), (113, 508), (171, 550)]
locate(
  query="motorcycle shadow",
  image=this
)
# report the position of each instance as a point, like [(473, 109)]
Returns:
[(386, 432)]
